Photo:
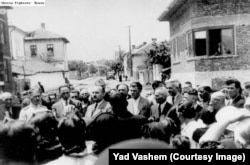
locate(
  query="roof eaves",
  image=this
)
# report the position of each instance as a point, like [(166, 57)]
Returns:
[(44, 38), (16, 28), (171, 9)]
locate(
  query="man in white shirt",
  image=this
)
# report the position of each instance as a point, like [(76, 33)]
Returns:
[(35, 107), (137, 104)]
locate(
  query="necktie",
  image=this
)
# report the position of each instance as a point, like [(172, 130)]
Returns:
[(173, 100), (159, 110)]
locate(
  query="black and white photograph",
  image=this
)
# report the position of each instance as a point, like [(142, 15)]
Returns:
[(87, 82)]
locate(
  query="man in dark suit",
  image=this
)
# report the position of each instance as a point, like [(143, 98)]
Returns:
[(124, 89), (99, 104), (173, 88), (65, 104), (137, 104), (174, 98), (159, 110), (234, 92)]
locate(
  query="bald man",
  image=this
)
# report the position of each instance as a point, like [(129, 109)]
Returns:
[(159, 110), (99, 105), (217, 102)]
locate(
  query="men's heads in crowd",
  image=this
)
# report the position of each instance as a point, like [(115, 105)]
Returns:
[(233, 87)]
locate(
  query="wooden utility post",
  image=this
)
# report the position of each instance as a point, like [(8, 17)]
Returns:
[(130, 53)]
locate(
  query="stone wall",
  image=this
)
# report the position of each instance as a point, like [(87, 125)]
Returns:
[(240, 61), (221, 7), (213, 13), (183, 15)]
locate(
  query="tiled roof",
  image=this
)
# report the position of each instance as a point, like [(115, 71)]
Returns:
[(44, 34), (33, 67)]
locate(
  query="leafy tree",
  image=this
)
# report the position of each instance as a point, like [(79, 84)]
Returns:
[(160, 54), (77, 65), (92, 69)]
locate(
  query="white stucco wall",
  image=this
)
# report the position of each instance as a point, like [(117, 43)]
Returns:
[(60, 50), (157, 71), (16, 43), (137, 61), (50, 81)]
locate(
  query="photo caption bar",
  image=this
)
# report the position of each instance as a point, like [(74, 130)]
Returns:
[(22, 2)]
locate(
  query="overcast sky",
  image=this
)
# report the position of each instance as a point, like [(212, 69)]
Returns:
[(96, 28)]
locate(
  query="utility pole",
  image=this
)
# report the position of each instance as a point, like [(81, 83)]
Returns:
[(130, 55), (119, 51)]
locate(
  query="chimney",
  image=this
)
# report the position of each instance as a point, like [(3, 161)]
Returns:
[(133, 46), (43, 25), (144, 43)]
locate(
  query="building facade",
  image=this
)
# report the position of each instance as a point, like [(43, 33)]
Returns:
[(209, 40), (5, 56), (37, 56), (17, 36), (49, 47)]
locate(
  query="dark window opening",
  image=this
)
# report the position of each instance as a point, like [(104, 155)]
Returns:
[(214, 42), (50, 49), (33, 50), (220, 42)]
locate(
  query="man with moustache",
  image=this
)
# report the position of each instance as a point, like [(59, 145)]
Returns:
[(159, 110), (99, 104)]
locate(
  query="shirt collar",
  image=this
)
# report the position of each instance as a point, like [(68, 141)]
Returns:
[(136, 100), (98, 104), (163, 104)]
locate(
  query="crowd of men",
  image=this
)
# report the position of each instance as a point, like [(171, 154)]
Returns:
[(57, 128)]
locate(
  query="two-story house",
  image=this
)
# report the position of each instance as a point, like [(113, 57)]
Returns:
[(48, 46), (38, 56), (209, 40)]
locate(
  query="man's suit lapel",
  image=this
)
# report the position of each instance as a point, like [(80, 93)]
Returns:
[(236, 100), (166, 108), (140, 104), (102, 105)]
